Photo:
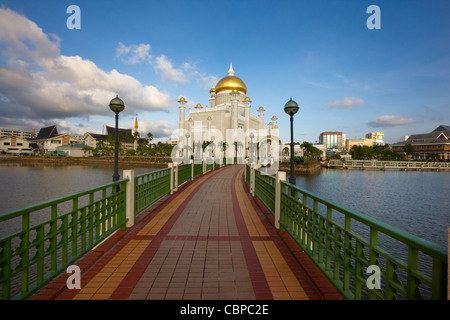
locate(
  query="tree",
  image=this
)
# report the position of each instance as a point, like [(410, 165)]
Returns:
[(149, 136), (310, 151), (408, 149)]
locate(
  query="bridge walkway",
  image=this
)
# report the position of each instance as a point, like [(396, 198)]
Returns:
[(211, 240)]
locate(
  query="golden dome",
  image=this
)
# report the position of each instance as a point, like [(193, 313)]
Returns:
[(212, 90), (260, 109), (246, 98), (231, 82), (198, 105), (182, 99)]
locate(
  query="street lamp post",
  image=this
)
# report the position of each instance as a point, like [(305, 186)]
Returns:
[(117, 106), (291, 108)]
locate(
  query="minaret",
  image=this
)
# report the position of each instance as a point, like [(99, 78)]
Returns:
[(182, 115), (234, 109), (247, 102), (261, 117), (135, 131)]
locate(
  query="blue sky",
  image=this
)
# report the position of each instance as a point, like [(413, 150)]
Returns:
[(344, 76)]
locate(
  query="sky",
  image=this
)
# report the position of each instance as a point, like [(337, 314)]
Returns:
[(344, 75)]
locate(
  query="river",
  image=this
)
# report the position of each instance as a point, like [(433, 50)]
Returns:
[(25, 184), (415, 201)]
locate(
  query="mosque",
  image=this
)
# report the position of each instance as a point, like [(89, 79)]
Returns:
[(227, 118)]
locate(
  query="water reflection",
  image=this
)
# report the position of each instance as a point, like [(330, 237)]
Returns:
[(414, 201), (23, 185)]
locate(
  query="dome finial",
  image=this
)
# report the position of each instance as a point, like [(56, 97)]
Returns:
[(231, 71)]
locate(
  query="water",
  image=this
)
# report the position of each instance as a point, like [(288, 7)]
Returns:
[(415, 201), (24, 185)]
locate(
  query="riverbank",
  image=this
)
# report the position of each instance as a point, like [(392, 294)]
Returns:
[(100, 161), (301, 168)]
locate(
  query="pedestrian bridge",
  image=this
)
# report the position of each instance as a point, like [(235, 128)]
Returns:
[(388, 165), (208, 231)]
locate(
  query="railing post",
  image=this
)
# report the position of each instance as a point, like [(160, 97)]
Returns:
[(170, 165), (176, 177), (129, 174), (281, 176), (192, 170), (252, 179)]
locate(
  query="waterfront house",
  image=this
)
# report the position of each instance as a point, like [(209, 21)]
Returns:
[(48, 139), (435, 144), (15, 145)]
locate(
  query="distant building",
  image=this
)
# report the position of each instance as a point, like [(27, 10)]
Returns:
[(17, 133), (48, 139), (126, 136), (16, 145), (349, 143), (172, 141), (228, 112), (332, 140), (73, 150), (425, 144), (404, 138), (376, 137)]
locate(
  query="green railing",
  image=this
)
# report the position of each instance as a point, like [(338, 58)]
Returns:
[(209, 165), (184, 173), (265, 189), (343, 243), (198, 169), (247, 174), (48, 237), (149, 188)]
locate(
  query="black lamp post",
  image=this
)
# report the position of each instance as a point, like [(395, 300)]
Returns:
[(117, 106), (291, 108)]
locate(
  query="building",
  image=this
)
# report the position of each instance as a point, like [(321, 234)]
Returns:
[(16, 145), (73, 150), (172, 141), (17, 133), (349, 143), (227, 118), (433, 145), (376, 137), (126, 136), (48, 139), (332, 140)]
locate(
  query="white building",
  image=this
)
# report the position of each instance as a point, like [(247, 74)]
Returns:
[(227, 119), (15, 145)]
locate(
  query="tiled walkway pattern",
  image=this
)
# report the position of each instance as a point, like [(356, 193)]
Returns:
[(208, 241)]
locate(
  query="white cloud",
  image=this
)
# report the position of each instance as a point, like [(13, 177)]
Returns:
[(168, 72), (37, 82), (134, 54), (390, 121), (158, 128), (346, 103)]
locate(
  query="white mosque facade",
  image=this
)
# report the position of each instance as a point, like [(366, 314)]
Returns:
[(227, 118)]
